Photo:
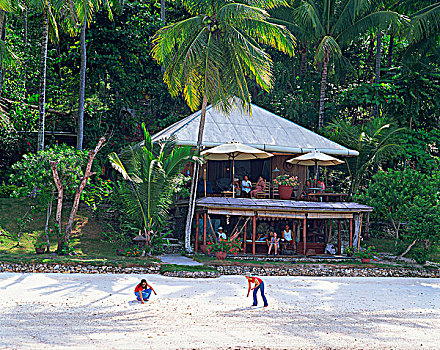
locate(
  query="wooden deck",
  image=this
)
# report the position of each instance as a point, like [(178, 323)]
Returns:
[(283, 209)]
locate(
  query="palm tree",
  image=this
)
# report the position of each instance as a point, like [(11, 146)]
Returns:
[(209, 57), (85, 11), (51, 10), (332, 24), (148, 170), (376, 141)]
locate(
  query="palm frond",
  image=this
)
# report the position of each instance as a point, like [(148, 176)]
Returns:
[(425, 22)]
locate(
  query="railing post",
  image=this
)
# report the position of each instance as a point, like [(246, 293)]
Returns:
[(196, 243), (254, 233)]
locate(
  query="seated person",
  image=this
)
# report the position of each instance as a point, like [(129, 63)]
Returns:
[(261, 237), (259, 187), (236, 187), (246, 186), (288, 237), (220, 234), (306, 190), (273, 242)]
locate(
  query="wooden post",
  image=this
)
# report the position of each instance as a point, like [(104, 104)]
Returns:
[(254, 232), (244, 236), (351, 233), (205, 219), (196, 243), (339, 236), (293, 237), (305, 235), (360, 233)]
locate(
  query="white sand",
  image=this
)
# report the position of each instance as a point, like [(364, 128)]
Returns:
[(98, 311)]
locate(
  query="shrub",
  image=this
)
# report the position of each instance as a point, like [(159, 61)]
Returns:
[(133, 251), (7, 190)]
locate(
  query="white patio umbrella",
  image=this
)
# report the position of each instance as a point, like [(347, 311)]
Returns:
[(315, 158), (234, 151)]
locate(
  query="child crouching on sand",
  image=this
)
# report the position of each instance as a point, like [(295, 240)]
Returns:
[(143, 291)]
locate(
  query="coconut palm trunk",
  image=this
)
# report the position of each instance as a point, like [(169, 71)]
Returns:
[(390, 50), (303, 65), (162, 11), (194, 181), (3, 20), (82, 87), (42, 92), (377, 67), (322, 94)]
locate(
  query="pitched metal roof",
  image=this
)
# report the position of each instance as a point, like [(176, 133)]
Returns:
[(263, 130)]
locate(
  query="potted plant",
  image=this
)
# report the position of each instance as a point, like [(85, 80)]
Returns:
[(286, 184), (223, 247), (365, 254), (349, 251), (40, 247)]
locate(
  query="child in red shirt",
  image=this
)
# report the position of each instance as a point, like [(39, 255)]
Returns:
[(143, 291)]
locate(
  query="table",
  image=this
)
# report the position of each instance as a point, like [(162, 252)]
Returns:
[(337, 196), (227, 193)]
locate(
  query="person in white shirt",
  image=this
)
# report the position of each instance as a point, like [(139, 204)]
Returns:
[(288, 237), (246, 186), (221, 234)]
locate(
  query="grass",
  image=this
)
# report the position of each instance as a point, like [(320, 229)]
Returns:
[(86, 238), (172, 268)]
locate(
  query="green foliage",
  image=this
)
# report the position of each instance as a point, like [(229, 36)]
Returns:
[(149, 172), (376, 141), (349, 251), (409, 201), (211, 54), (34, 175), (7, 190), (97, 192)]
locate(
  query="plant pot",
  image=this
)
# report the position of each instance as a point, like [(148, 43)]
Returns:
[(220, 255), (285, 192), (203, 248), (40, 250), (365, 260)]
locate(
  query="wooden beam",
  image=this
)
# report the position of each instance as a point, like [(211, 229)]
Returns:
[(233, 212), (196, 243), (305, 235), (254, 233), (351, 234), (205, 220), (339, 236)]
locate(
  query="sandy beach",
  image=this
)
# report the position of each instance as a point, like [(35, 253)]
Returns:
[(71, 311)]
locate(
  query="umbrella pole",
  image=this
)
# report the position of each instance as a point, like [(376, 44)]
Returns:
[(204, 176), (233, 177)]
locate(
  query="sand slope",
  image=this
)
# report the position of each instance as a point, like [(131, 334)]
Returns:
[(74, 311)]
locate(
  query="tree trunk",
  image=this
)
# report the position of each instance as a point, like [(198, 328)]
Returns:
[(162, 11), (48, 215), (377, 67), (390, 50), (194, 181), (3, 19), (60, 197), (303, 65), (322, 94), (408, 249), (25, 41), (42, 92), (82, 87), (82, 185)]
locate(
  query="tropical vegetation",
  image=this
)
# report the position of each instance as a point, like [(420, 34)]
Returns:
[(364, 73)]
